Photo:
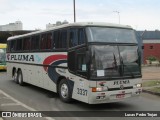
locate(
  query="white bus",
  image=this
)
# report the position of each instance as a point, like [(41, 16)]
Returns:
[(90, 62)]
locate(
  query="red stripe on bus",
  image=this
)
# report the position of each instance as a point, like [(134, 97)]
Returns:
[(53, 58)]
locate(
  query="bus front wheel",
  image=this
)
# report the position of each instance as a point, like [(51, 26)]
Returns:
[(64, 91)]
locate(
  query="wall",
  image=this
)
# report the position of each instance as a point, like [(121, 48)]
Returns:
[(149, 51)]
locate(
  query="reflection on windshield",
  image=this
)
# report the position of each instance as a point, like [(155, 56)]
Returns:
[(111, 35), (2, 55), (114, 61)]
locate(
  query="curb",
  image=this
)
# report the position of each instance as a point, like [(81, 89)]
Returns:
[(150, 92)]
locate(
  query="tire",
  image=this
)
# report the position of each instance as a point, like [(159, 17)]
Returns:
[(64, 91), (15, 77), (20, 78)]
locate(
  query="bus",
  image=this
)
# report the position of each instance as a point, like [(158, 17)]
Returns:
[(3, 56), (88, 61)]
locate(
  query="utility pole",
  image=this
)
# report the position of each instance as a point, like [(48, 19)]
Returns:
[(74, 8), (118, 15)]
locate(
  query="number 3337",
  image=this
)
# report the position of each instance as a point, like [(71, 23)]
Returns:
[(81, 91)]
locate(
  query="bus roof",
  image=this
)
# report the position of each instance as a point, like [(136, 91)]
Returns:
[(3, 45), (78, 24)]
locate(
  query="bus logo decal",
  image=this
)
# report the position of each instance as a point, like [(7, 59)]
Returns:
[(54, 60)]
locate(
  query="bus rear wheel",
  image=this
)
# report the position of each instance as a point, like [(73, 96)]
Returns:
[(20, 78), (15, 76), (64, 91)]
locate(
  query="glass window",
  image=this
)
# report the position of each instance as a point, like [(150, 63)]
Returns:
[(13, 45), (43, 41), (82, 62), (35, 42), (71, 61), (56, 38), (73, 39), (49, 40), (63, 39), (81, 36), (19, 44), (111, 35), (26, 43)]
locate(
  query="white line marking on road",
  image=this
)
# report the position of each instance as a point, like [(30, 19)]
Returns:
[(10, 104), (22, 104)]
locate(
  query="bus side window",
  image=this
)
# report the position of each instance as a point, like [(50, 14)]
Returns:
[(63, 39), (35, 42), (26, 43), (13, 45), (81, 62), (49, 40), (56, 39), (43, 41), (73, 39), (19, 45), (81, 36)]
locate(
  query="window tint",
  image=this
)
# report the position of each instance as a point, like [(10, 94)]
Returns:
[(56, 38), (72, 61), (19, 45), (48, 42), (81, 36), (63, 39), (77, 37), (43, 41), (8, 46), (35, 42), (13, 45), (73, 39), (82, 62), (26, 43)]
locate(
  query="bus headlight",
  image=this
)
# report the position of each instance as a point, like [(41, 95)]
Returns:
[(138, 85)]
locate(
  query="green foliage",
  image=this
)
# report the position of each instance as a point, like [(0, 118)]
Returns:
[(152, 58), (151, 83)]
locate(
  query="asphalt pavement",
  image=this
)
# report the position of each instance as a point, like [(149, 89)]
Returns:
[(31, 98)]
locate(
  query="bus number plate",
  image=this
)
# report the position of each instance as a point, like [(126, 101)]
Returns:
[(81, 91), (120, 95)]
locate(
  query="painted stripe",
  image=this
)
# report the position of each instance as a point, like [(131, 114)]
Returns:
[(22, 104), (49, 60)]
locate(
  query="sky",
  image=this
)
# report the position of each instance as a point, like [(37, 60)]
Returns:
[(35, 14)]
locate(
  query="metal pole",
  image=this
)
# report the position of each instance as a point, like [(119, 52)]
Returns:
[(74, 7), (118, 15)]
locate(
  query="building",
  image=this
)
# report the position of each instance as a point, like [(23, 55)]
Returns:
[(5, 34), (48, 26), (12, 26), (150, 44)]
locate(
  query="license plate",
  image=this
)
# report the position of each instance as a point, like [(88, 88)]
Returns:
[(120, 95)]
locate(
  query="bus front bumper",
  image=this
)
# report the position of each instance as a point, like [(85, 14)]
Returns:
[(113, 96)]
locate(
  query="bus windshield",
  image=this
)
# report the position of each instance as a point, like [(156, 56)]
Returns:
[(2, 55), (111, 35), (114, 61)]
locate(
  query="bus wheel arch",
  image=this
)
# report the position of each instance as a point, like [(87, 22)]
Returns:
[(64, 91)]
